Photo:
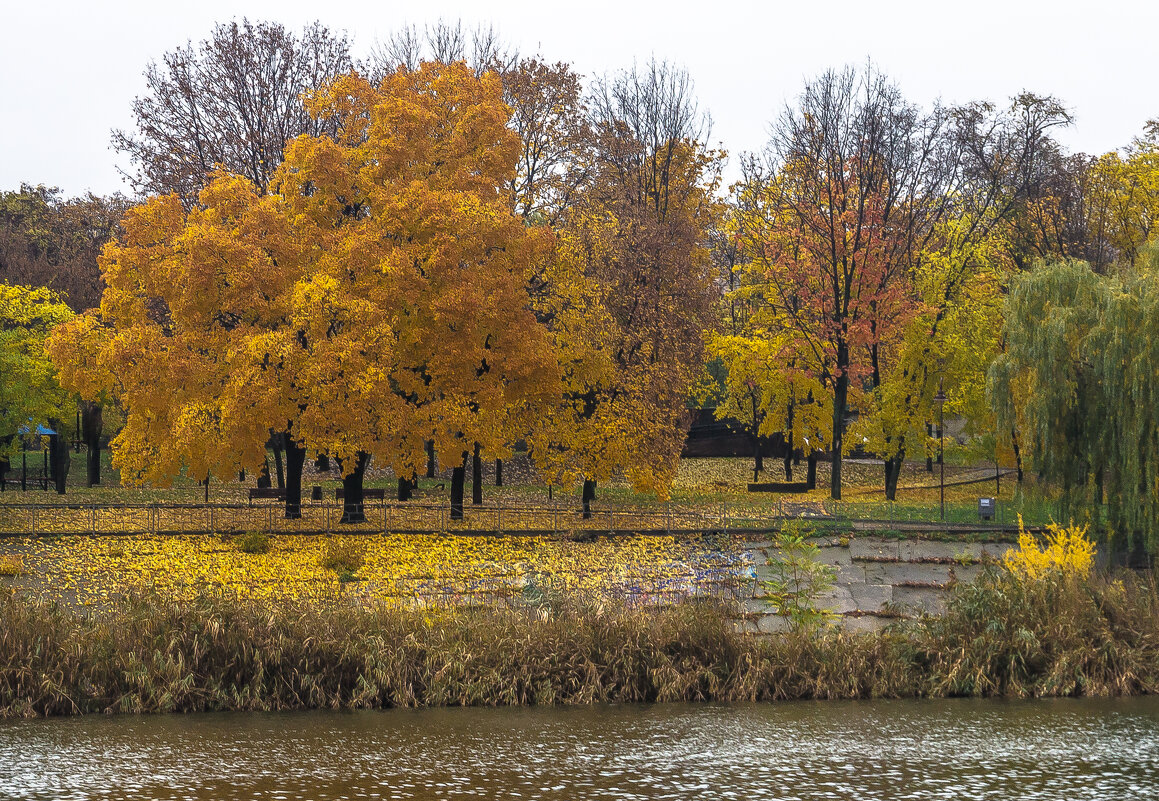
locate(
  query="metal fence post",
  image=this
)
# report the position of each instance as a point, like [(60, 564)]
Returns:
[(386, 519), (34, 520)]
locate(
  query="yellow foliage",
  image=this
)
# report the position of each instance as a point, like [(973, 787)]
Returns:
[(395, 569), (1067, 551)]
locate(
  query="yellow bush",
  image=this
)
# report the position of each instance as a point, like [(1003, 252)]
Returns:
[(11, 566), (1067, 550)]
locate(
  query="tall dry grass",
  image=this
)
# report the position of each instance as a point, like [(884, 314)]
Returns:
[(1000, 636)]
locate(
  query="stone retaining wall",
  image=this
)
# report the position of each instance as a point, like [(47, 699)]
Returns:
[(877, 580)]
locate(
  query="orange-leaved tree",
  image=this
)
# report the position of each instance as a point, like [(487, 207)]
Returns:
[(373, 298)]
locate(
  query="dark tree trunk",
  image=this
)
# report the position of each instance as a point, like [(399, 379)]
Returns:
[(929, 456), (430, 458), (205, 484), (406, 488), (892, 474), (322, 463), (353, 507), (476, 478), (264, 476), (458, 478), (498, 472), (276, 444), (811, 470), (789, 457), (589, 495), (59, 458), (758, 457), (840, 401), (1017, 453), (241, 476), (295, 461), (92, 426)]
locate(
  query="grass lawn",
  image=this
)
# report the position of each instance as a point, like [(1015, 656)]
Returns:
[(701, 484)]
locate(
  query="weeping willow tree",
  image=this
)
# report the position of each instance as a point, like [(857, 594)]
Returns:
[(1077, 380)]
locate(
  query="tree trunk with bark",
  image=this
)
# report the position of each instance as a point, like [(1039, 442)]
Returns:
[(430, 458), (498, 472), (406, 488), (893, 467), (811, 470), (1017, 453), (295, 462), (589, 495), (275, 444), (353, 505), (322, 463), (840, 401), (59, 458), (264, 481), (476, 477), (92, 426), (458, 479)]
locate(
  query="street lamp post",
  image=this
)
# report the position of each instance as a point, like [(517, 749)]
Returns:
[(940, 399)]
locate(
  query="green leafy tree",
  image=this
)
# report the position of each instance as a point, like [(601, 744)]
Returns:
[(29, 391)]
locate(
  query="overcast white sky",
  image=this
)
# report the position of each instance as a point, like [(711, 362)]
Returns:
[(69, 69)]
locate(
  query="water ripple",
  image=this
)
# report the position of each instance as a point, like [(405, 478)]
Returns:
[(1072, 749)]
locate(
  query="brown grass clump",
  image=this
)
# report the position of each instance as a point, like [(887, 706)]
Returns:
[(11, 566)]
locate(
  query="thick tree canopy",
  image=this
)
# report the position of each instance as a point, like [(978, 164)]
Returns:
[(1078, 379), (29, 392), (373, 298), (50, 242)]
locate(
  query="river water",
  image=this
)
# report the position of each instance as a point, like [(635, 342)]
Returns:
[(1061, 749)]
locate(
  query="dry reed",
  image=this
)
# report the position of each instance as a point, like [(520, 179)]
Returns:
[(1000, 636)]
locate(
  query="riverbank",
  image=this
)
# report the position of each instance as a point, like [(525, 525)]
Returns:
[(1003, 635)]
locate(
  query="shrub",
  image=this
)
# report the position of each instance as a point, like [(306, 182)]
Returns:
[(1066, 550), (798, 576), (344, 557), (254, 542), (11, 566)]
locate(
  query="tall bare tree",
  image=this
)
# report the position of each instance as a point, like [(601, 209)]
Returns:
[(232, 101)]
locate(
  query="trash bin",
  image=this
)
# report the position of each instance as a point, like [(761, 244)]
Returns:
[(986, 507)]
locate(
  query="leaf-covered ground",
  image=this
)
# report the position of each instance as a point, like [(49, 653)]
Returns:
[(407, 569)]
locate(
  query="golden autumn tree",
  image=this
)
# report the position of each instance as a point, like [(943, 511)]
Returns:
[(636, 234), (184, 293), (373, 298)]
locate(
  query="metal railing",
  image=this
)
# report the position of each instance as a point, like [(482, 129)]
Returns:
[(332, 518), (328, 517)]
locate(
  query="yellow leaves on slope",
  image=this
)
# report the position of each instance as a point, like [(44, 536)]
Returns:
[(399, 568)]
